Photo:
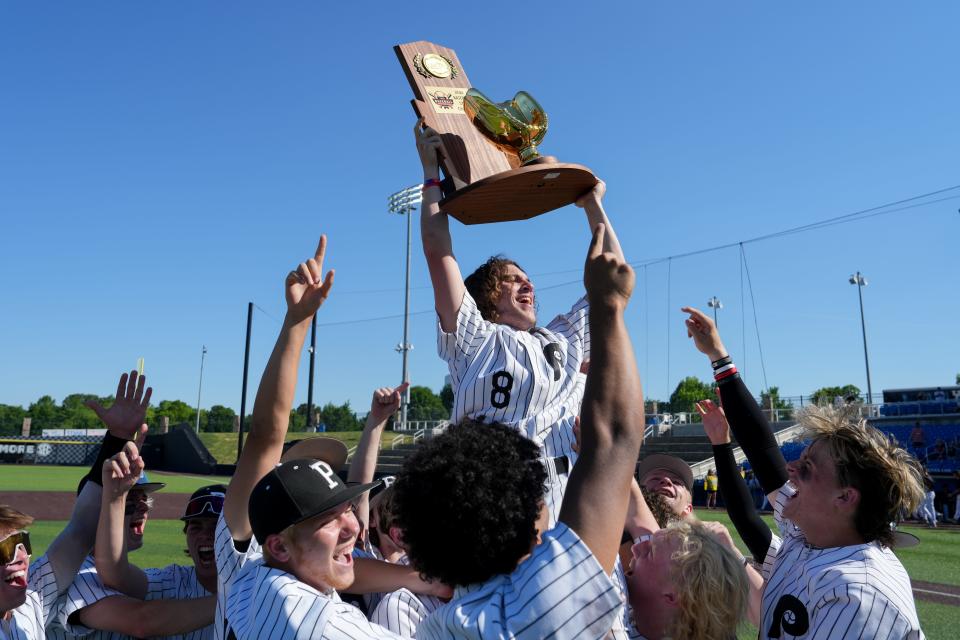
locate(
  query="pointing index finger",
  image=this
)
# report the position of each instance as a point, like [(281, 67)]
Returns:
[(321, 248)]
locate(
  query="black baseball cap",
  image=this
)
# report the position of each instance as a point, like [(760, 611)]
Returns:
[(206, 502), (296, 490), (672, 464)]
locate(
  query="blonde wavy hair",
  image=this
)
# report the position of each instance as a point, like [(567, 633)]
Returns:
[(888, 478), (12, 519), (711, 584)]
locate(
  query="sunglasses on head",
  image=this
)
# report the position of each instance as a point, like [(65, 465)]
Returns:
[(204, 506), (10, 545)]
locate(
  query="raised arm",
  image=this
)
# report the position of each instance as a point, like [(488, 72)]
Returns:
[(148, 619), (445, 274), (592, 204), (306, 288), (385, 403), (747, 421), (736, 496), (611, 423), (123, 420), (120, 473)]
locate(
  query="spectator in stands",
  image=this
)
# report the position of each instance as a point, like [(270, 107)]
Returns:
[(939, 450), (918, 439), (710, 486)]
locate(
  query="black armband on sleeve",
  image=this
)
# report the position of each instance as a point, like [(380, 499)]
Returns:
[(753, 433), (736, 496), (111, 446)]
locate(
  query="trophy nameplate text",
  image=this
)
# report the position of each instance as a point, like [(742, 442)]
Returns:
[(485, 178)]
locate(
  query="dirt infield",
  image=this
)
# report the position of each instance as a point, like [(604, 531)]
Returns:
[(57, 505), (935, 592)]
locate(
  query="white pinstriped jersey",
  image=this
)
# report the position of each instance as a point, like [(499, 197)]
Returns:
[(402, 611), (524, 379), (173, 582), (29, 619), (263, 603), (559, 592), (229, 562), (623, 628), (856, 591)]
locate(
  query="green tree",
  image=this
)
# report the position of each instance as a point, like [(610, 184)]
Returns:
[(828, 395), (339, 417), (690, 391), (219, 419), (446, 397), (425, 405), (177, 411), (76, 415), (11, 419), (45, 414), (958, 378)]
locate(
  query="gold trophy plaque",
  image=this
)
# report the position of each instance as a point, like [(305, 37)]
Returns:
[(493, 169)]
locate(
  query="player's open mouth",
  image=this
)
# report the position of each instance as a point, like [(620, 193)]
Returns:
[(136, 528), (17, 579), (205, 555), (525, 299), (344, 556), (791, 491)]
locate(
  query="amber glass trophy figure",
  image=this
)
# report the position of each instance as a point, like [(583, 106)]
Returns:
[(491, 161)]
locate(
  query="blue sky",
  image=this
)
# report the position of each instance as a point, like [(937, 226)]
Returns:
[(162, 164)]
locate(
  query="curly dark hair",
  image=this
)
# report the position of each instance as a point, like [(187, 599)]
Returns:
[(484, 285), (467, 502)]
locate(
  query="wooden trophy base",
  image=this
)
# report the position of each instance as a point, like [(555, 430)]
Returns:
[(519, 194)]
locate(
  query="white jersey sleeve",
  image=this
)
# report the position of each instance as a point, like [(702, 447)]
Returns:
[(174, 582), (86, 590), (402, 612), (559, 592), (230, 560)]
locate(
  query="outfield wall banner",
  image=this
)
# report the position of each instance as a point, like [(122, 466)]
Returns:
[(78, 450)]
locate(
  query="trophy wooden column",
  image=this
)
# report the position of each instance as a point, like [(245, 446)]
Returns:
[(484, 182)]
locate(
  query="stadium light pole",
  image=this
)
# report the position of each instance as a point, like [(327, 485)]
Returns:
[(714, 303), (203, 354), (861, 282), (405, 202)]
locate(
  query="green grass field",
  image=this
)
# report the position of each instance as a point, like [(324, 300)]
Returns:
[(15, 477), (223, 446)]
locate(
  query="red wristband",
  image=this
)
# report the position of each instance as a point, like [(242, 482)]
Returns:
[(431, 182)]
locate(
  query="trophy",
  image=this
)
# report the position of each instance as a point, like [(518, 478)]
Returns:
[(493, 170)]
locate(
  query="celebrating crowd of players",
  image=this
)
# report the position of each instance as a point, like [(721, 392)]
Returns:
[(523, 520)]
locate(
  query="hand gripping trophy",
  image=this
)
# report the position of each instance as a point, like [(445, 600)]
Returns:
[(493, 169)]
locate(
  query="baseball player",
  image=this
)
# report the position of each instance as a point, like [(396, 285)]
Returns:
[(29, 590), (91, 610), (283, 582), (402, 610), (503, 366), (831, 573), (672, 479), (471, 506)]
